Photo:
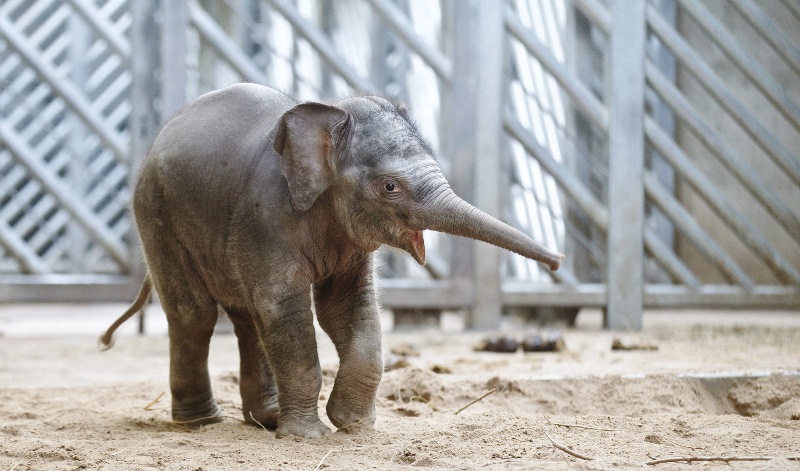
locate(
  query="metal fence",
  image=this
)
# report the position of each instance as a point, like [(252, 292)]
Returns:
[(64, 150), (655, 143)]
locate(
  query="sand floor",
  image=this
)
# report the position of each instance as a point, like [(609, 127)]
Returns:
[(720, 385)]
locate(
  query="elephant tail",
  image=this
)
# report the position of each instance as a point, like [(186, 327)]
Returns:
[(106, 341)]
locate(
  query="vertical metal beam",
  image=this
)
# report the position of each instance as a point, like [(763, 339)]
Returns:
[(144, 81), (224, 46), (490, 155), (77, 168), (626, 166), (173, 57), (457, 126), (144, 117)]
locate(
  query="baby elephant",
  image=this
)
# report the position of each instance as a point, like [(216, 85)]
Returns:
[(249, 201)]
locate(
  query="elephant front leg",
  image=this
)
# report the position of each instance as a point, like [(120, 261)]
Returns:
[(290, 343), (256, 384), (348, 312)]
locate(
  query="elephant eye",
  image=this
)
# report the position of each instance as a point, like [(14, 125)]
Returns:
[(390, 187)]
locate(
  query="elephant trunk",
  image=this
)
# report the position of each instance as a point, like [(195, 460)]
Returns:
[(451, 214)]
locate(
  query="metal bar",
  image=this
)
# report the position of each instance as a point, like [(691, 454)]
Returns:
[(722, 297), (224, 46), (75, 168), (686, 223), (397, 21), (568, 183), (113, 6), (592, 208), (144, 82), (27, 210), (64, 88), (101, 27), (173, 57), (458, 126), (489, 62), (144, 119), (758, 74), (563, 275), (27, 258), (44, 238), (42, 30), (109, 68), (519, 294), (114, 94), (23, 194), (722, 93), (29, 14), (665, 255), (665, 117), (655, 296), (52, 247), (626, 166), (743, 172), (8, 6), (541, 193), (434, 294), (744, 229), (596, 12), (769, 31), (57, 189), (794, 7), (581, 97), (394, 294), (65, 288), (321, 44)]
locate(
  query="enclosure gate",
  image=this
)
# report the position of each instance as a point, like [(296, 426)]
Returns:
[(655, 143), (65, 114)]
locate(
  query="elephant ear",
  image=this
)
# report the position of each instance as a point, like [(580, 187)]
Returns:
[(304, 141)]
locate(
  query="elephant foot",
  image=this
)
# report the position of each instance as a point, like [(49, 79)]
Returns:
[(196, 413), (310, 427), (349, 419), (263, 414)]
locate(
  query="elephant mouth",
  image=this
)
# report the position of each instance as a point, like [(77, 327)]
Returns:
[(414, 244)]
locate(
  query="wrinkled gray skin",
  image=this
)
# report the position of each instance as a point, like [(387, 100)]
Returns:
[(248, 200)]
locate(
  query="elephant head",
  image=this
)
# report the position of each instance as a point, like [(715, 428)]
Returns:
[(386, 187)]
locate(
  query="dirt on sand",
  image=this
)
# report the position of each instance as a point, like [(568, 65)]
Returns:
[(713, 389)]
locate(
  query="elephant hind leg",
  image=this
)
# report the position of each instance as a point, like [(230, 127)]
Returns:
[(256, 384), (191, 315), (193, 402)]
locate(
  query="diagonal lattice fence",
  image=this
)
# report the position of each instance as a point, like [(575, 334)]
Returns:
[(655, 143), (64, 159)]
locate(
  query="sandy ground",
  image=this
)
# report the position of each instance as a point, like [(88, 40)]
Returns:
[(720, 385)]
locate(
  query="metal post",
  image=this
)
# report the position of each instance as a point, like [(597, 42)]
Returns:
[(144, 116), (490, 155), (173, 57), (76, 178), (144, 81), (457, 127), (626, 166)]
